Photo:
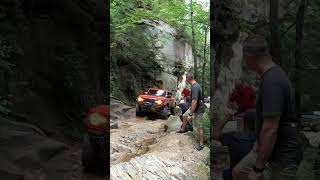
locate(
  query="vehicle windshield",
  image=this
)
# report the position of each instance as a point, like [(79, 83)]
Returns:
[(156, 92)]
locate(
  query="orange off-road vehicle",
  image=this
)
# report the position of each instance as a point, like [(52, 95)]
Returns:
[(156, 100)]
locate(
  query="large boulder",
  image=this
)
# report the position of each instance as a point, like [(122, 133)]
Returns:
[(313, 138), (172, 157), (26, 153)]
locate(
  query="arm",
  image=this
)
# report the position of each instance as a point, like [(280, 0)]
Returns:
[(252, 94), (272, 106), (268, 137), (193, 106), (232, 100), (194, 102)]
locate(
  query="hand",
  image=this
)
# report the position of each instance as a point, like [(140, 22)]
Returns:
[(189, 118), (255, 176), (255, 147)]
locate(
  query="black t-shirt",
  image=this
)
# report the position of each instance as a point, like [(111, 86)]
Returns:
[(275, 98), (239, 144), (196, 94)]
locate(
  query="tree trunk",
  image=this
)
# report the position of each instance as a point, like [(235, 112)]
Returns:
[(275, 31), (211, 113), (298, 57), (212, 85), (204, 57), (225, 67), (193, 43)]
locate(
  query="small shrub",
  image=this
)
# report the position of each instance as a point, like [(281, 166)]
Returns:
[(206, 126)]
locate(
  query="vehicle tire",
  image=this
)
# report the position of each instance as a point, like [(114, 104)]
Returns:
[(88, 157), (165, 112), (90, 161), (138, 110)]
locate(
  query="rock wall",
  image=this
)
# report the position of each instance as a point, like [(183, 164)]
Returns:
[(173, 50), (55, 60), (235, 20), (154, 52)]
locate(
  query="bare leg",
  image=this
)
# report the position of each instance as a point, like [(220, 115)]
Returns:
[(185, 120), (236, 175), (201, 135), (184, 123)]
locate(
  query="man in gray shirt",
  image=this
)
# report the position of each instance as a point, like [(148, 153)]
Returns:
[(277, 152), (195, 112)]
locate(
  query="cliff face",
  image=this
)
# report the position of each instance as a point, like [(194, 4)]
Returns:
[(234, 21), (165, 57), (53, 59), (174, 50)]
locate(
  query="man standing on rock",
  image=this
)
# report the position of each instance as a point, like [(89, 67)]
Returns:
[(195, 112), (277, 152)]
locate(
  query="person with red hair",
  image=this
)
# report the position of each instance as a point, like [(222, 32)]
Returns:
[(243, 97), (185, 93)]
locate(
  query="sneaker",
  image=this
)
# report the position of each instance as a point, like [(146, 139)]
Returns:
[(181, 131), (199, 147)]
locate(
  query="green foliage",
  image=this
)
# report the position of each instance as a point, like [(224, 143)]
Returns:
[(306, 169), (134, 47), (128, 14), (134, 63), (8, 49), (179, 69), (4, 106), (206, 125), (310, 72)]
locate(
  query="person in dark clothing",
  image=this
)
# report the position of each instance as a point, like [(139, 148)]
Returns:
[(184, 107), (195, 112), (277, 152), (239, 143)]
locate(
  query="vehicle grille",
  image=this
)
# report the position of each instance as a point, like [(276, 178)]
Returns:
[(149, 100)]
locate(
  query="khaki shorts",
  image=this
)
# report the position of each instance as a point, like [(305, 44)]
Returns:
[(197, 119), (272, 171)]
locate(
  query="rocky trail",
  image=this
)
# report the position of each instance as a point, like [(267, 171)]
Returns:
[(143, 148)]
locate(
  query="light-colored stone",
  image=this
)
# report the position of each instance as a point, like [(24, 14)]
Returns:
[(313, 137), (143, 150)]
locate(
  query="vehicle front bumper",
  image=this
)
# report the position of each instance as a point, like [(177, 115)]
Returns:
[(151, 107)]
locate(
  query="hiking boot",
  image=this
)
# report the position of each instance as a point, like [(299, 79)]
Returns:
[(181, 131), (199, 147), (189, 129)]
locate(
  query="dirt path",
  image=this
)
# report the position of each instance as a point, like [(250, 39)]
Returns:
[(150, 149)]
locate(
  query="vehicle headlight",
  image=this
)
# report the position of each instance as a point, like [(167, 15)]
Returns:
[(159, 102), (140, 99), (97, 120)]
